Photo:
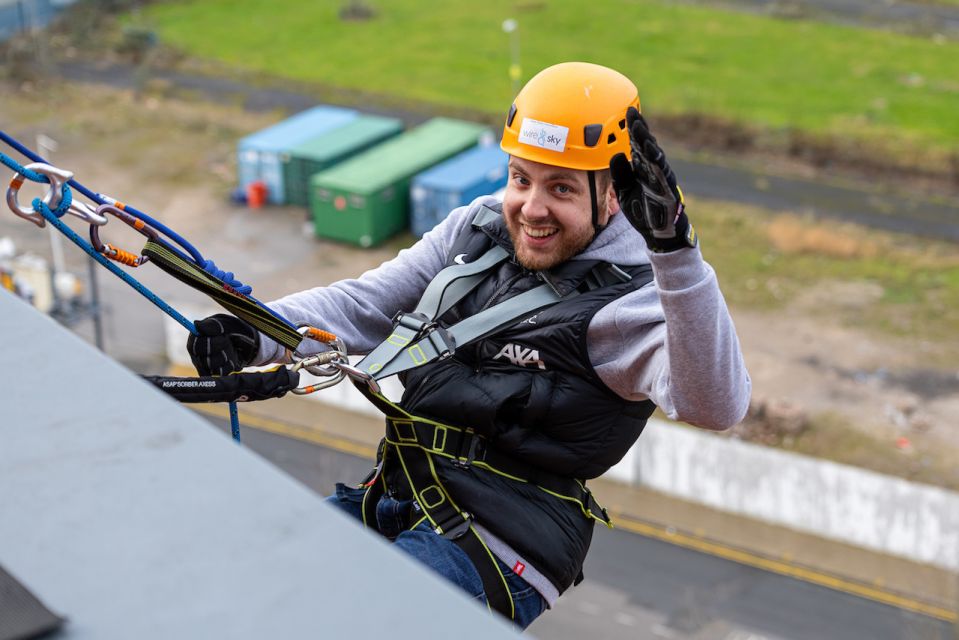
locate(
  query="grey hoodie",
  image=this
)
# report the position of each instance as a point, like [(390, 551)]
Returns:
[(672, 342)]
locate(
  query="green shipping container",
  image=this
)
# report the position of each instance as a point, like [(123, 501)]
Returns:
[(365, 200), (330, 148)]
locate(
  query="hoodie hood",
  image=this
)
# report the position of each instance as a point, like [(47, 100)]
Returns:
[(619, 243)]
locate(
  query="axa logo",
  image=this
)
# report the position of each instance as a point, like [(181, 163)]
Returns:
[(520, 356)]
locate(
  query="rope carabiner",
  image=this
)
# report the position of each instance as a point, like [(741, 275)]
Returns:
[(57, 179), (115, 253), (336, 345), (316, 334), (358, 375), (57, 197), (320, 362)]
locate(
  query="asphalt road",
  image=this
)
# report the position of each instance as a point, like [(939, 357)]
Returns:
[(645, 589), (921, 18)]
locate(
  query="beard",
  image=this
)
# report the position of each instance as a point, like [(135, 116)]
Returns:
[(570, 243)]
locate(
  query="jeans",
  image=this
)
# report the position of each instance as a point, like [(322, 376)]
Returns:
[(439, 554)]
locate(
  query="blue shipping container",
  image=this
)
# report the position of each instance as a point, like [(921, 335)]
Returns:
[(434, 193), (260, 154), (23, 16)]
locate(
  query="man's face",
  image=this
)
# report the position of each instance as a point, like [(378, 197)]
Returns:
[(548, 213)]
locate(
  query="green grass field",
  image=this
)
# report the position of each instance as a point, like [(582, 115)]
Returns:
[(892, 90)]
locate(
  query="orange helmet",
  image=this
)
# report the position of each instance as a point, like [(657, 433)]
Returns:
[(571, 115)]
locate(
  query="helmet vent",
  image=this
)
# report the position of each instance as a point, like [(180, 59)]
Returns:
[(591, 133), (611, 138), (512, 114), (622, 123)]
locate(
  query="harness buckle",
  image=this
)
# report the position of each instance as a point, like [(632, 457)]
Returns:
[(591, 502), (415, 322), (456, 530), (472, 444), (441, 339)]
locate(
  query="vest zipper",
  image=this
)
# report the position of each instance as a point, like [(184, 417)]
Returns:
[(500, 290)]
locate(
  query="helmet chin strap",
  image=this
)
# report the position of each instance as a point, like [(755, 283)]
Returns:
[(594, 203)]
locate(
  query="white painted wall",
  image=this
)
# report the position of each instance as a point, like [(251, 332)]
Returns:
[(824, 498)]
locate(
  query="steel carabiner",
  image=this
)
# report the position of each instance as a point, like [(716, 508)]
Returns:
[(310, 364), (57, 178), (358, 375), (115, 253), (325, 337), (312, 388), (86, 213)]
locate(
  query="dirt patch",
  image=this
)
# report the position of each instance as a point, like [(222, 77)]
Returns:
[(841, 394)]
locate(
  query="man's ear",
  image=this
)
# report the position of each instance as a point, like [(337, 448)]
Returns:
[(612, 202)]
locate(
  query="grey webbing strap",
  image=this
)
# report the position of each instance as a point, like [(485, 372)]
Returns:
[(449, 286), (453, 283), (491, 319), (440, 343), (484, 217)]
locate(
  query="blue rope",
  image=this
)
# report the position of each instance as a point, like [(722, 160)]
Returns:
[(227, 276), (29, 174), (99, 198), (66, 198), (195, 255), (234, 421), (40, 207), (207, 265)]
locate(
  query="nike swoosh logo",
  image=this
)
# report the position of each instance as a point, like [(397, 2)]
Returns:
[(459, 259)]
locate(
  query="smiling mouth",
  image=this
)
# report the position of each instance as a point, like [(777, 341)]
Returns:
[(539, 232)]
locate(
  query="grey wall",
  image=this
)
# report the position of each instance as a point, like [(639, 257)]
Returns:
[(126, 513)]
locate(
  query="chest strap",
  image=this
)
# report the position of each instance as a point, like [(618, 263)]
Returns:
[(417, 339), (465, 448), (414, 443)]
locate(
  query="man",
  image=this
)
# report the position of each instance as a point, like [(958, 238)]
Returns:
[(481, 474)]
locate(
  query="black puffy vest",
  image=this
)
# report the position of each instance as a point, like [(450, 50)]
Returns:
[(531, 391)]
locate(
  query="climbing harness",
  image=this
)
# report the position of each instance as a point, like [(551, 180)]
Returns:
[(414, 443), (173, 254)]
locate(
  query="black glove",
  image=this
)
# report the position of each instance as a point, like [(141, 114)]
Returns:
[(223, 344), (236, 387), (647, 191)]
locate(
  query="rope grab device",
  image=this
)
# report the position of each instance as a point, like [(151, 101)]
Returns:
[(176, 256)]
